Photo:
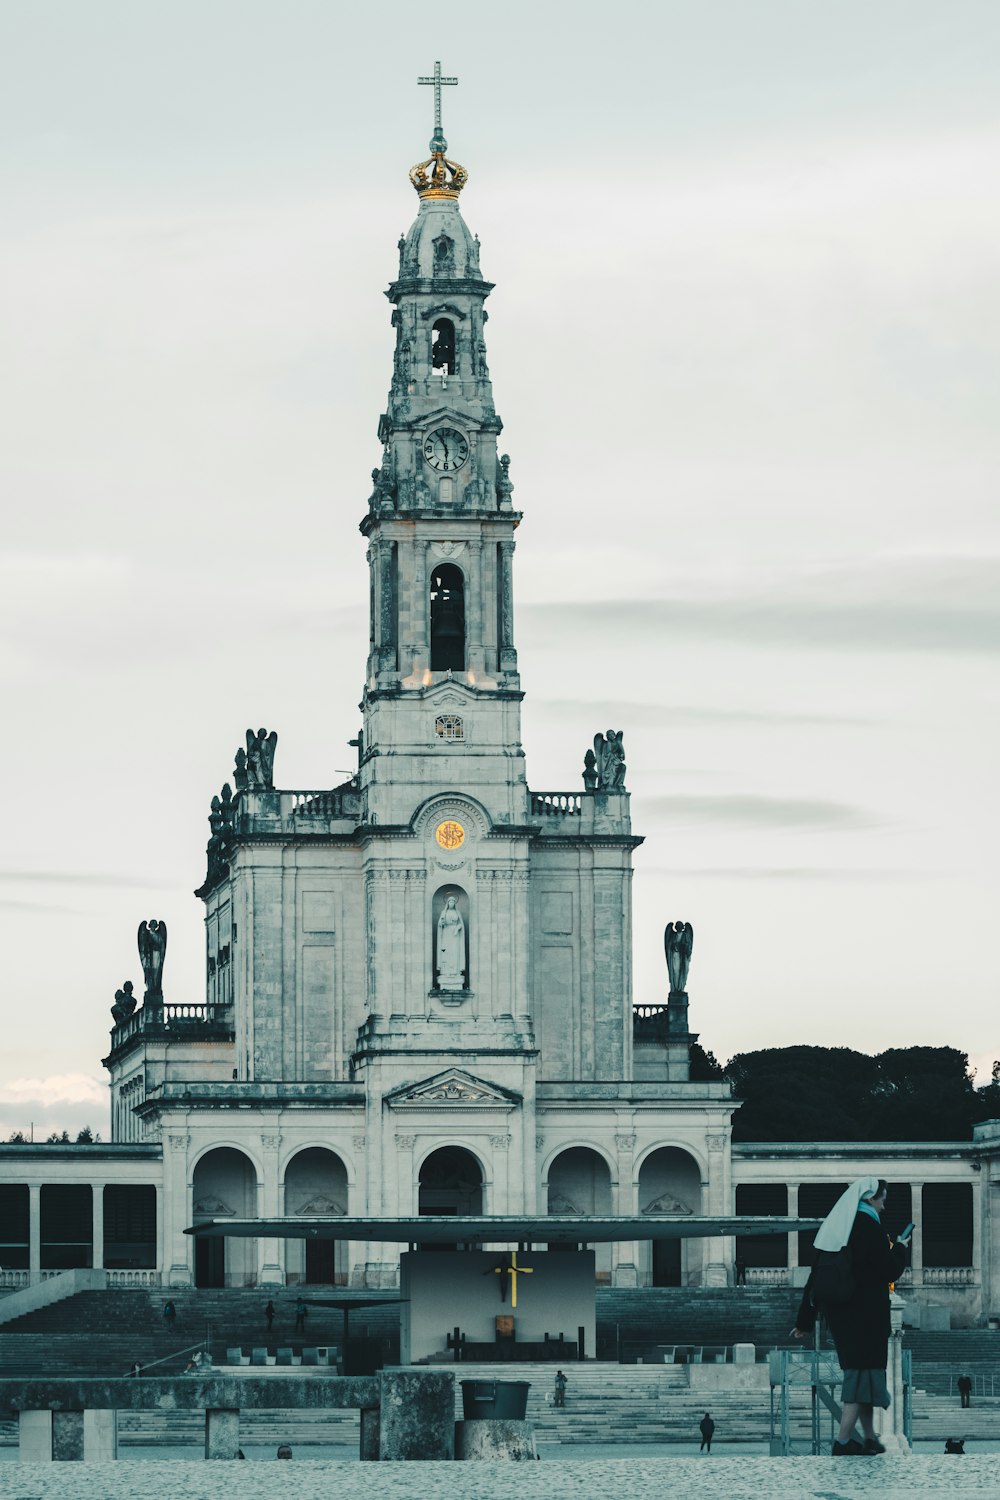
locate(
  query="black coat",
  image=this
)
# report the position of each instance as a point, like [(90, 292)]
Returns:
[(860, 1327)]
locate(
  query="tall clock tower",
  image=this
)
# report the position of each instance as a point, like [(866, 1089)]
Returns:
[(446, 856)]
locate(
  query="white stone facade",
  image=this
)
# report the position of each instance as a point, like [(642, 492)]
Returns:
[(419, 983)]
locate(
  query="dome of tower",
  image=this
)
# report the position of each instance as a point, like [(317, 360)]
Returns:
[(439, 244)]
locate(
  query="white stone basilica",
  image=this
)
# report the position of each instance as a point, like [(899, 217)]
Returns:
[(419, 982), (422, 978)]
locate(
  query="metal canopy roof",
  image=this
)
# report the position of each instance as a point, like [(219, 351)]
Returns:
[(550, 1229)]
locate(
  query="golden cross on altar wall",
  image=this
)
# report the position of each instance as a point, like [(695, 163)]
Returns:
[(513, 1271), (437, 83)]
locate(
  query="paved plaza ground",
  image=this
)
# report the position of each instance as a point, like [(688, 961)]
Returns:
[(716, 1478)]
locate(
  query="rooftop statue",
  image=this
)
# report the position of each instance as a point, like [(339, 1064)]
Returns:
[(152, 950), (678, 941), (255, 765), (125, 1003), (609, 755)]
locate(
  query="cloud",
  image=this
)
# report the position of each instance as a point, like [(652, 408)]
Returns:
[(57, 1088), (679, 716), (793, 873), (747, 811), (897, 604), (83, 879)]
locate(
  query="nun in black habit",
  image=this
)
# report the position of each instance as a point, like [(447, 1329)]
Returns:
[(860, 1324)]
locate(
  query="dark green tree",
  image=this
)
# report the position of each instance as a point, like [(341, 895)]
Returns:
[(705, 1066)]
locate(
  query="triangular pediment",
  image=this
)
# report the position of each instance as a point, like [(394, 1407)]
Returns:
[(452, 1088), (214, 1206), (322, 1205), (451, 414), (666, 1203)]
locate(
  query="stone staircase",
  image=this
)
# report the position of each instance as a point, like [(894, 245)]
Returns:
[(631, 1320), (102, 1333), (939, 1359)]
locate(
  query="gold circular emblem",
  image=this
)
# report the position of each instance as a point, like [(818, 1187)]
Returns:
[(450, 835)]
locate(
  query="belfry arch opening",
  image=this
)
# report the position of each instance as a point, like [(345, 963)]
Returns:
[(443, 346), (447, 619)]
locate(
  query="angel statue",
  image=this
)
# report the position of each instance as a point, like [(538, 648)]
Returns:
[(678, 940), (609, 754), (259, 762), (152, 948)]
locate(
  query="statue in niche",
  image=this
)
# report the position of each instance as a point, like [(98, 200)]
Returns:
[(152, 950), (678, 941), (590, 771), (451, 947), (609, 757), (256, 765), (125, 1003)]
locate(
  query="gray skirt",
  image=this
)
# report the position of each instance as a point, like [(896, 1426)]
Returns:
[(866, 1386)]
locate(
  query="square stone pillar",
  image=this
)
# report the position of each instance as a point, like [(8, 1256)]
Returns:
[(67, 1436), (416, 1415), (222, 1432), (97, 1223), (792, 1209), (100, 1436), (34, 1233), (917, 1242), (34, 1436)]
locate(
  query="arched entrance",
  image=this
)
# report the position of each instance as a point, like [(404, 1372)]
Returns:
[(451, 1183), (580, 1183), (315, 1183), (225, 1184), (670, 1183)]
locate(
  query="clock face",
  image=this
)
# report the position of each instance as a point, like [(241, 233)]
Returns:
[(445, 449)]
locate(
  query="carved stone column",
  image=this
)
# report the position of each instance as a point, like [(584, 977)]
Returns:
[(508, 656), (270, 1252), (718, 1252), (474, 608), (625, 1256), (175, 1176)]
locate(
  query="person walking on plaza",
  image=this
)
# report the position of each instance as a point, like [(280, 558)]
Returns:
[(301, 1313), (849, 1285), (560, 1396), (707, 1429), (169, 1314), (269, 1315), (965, 1389)]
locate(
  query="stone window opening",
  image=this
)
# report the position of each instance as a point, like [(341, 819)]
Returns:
[(449, 727), (447, 619), (443, 346)]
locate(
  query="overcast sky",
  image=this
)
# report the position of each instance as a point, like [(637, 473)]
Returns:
[(745, 343)]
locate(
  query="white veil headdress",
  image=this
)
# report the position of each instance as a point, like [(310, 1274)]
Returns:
[(835, 1230)]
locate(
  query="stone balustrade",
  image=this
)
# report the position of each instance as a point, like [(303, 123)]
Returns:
[(557, 804), (949, 1276)]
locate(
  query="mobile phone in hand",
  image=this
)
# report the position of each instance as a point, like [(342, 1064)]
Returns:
[(904, 1238)]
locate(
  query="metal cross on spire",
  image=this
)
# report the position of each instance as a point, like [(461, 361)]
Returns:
[(438, 142)]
